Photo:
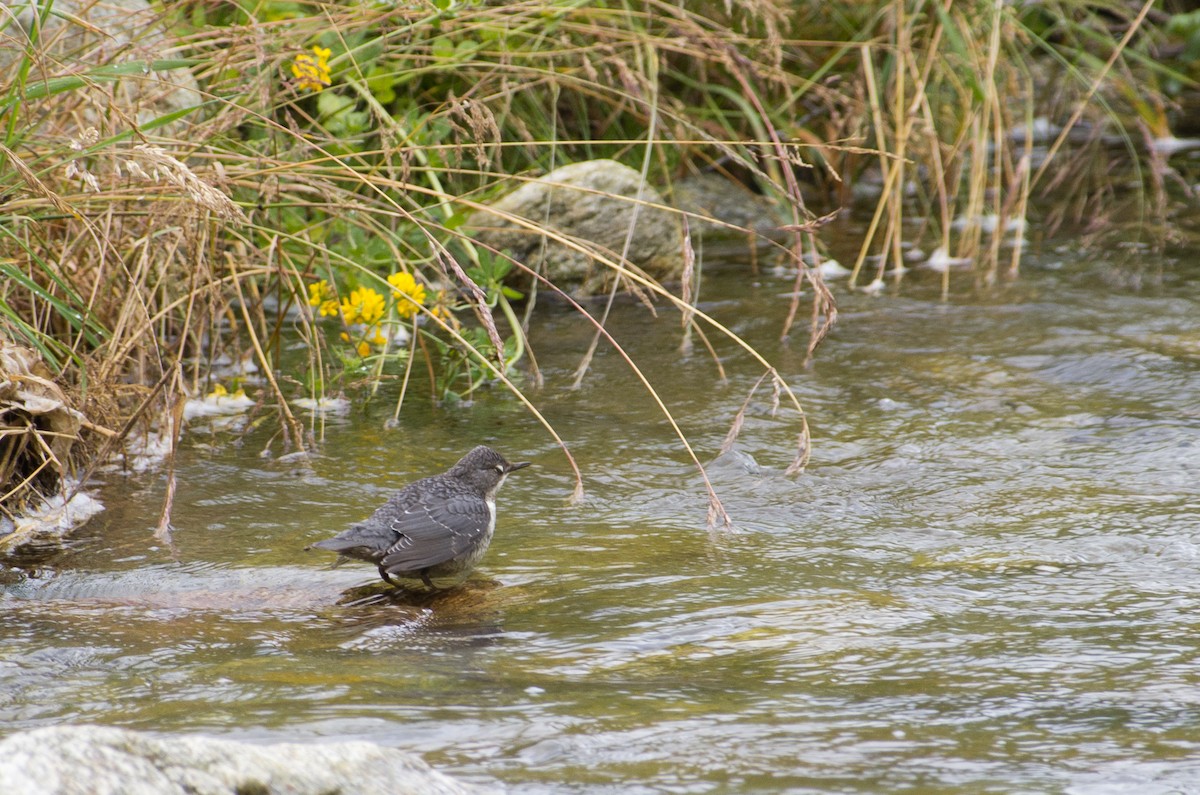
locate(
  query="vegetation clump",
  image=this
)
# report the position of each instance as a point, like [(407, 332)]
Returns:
[(320, 179)]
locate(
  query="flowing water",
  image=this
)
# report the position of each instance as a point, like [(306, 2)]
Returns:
[(987, 580)]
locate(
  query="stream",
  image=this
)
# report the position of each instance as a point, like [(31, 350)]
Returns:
[(987, 579)]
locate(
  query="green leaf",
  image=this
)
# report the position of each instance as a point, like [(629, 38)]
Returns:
[(101, 74), (442, 48), (330, 103), (466, 50), (381, 84)]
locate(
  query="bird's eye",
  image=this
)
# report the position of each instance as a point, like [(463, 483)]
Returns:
[(500, 468)]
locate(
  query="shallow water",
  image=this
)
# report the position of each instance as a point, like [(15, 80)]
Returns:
[(986, 581)]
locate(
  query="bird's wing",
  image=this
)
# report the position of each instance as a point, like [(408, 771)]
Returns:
[(435, 531), (366, 540)]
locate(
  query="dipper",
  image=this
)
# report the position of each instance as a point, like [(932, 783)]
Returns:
[(439, 526)]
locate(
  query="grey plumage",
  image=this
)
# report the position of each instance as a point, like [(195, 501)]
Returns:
[(439, 526)]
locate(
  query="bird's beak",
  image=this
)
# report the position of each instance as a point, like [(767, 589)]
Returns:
[(518, 465)]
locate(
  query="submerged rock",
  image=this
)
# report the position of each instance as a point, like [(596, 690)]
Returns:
[(96, 760), (593, 202)]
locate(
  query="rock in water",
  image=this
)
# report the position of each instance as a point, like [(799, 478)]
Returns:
[(96, 760), (594, 202)]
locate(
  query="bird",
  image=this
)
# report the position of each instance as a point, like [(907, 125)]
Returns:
[(438, 526)]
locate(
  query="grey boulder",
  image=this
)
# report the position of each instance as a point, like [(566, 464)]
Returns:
[(96, 760), (82, 34), (593, 203)]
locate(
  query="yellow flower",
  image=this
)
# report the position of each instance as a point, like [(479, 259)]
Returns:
[(374, 336), (219, 391), (363, 306), (441, 306), (409, 294), (312, 71), (373, 305), (349, 311), (318, 292)]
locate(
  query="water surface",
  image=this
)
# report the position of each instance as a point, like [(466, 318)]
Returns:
[(988, 579)]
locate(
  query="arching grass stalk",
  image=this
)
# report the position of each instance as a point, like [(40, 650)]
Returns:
[(408, 365), (517, 331), (498, 374), (647, 151), (653, 287), (716, 509)]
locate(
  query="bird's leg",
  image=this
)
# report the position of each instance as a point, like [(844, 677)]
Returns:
[(425, 579), (383, 573)]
